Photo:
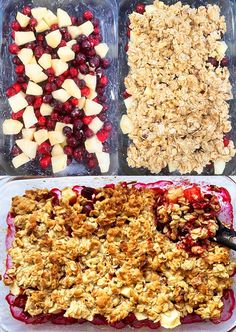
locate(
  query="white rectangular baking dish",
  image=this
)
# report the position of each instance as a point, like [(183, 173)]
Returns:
[(14, 187)]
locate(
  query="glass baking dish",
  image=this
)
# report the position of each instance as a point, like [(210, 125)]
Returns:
[(228, 9), (17, 186), (107, 13)]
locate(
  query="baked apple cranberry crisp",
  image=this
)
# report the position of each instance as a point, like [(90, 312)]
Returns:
[(139, 255)]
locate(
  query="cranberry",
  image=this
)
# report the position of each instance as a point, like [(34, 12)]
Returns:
[(62, 43), (38, 114), (33, 22), (87, 120), (42, 121), (15, 151), (38, 102), (40, 37), (38, 51), (66, 73), (73, 20), (91, 53), (59, 81), (86, 44), (95, 22), (54, 27), (30, 99), (226, 141), (67, 106), (17, 87), (81, 84), (140, 8), (96, 41), (94, 62), (78, 154), (17, 115), (48, 49), (50, 87), (71, 141), (67, 37), (224, 62), (88, 207), (21, 78), (13, 49), (106, 147), (13, 35), (126, 95), (68, 150), (96, 31), (76, 48), (88, 132), (128, 33), (85, 91), (44, 148), (81, 38), (15, 26), (51, 124), (67, 131), (31, 45), (67, 119), (107, 126), (26, 10), (105, 63), (54, 116), (84, 69), (78, 124), (103, 135), (73, 72), (126, 47), (45, 162), (69, 160), (47, 99), (76, 113), (213, 61), (16, 60), (74, 101), (100, 72), (10, 92), (103, 81), (80, 58), (24, 87), (79, 135), (88, 15), (92, 162)]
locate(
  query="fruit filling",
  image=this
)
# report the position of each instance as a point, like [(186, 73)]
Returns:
[(177, 89), (137, 255), (58, 102)]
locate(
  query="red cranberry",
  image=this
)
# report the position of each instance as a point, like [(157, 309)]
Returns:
[(106, 147), (103, 135), (92, 162), (21, 79), (213, 61), (73, 72), (67, 131), (100, 72), (126, 47), (140, 8), (88, 15), (67, 106), (31, 45), (48, 50), (71, 141), (69, 160), (30, 99), (107, 126), (13, 35), (73, 20), (15, 26), (38, 51), (37, 113), (16, 60), (105, 63), (85, 91), (44, 148), (50, 87), (94, 62), (79, 135), (50, 71), (95, 22), (24, 86), (74, 101), (42, 121), (38, 102), (88, 132), (80, 58), (59, 81), (103, 81), (126, 95), (40, 37), (81, 84), (87, 120), (128, 33), (78, 124), (33, 22), (26, 10), (54, 27), (47, 99), (45, 162), (76, 48), (81, 38), (67, 119), (96, 31), (78, 154), (51, 124), (10, 92), (226, 141), (51, 79), (17, 87), (91, 53), (62, 43), (88, 207), (15, 151), (68, 150), (66, 73), (224, 62), (67, 37), (84, 69), (13, 48), (17, 115), (76, 113), (86, 44)]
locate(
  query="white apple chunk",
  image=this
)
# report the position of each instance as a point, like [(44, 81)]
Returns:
[(50, 18), (34, 89), (29, 117), (28, 133), (91, 81), (95, 125), (81, 76), (22, 19), (53, 39), (35, 73), (66, 54), (56, 137), (61, 125), (72, 88), (93, 145), (64, 19), (45, 61), (46, 109), (71, 43), (74, 31), (92, 95), (57, 150), (11, 127), (20, 160), (17, 102), (41, 136), (92, 108), (103, 161), (128, 102), (42, 26), (59, 66), (81, 103), (29, 148), (61, 95), (39, 13), (59, 163), (33, 61), (25, 55), (24, 37), (86, 28), (102, 50), (219, 166), (126, 124)]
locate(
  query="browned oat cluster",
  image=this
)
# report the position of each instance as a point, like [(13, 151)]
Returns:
[(178, 113), (111, 261)]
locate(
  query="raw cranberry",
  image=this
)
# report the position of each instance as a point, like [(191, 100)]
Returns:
[(24, 87), (30, 99), (47, 99), (17, 87), (49, 50), (50, 87), (33, 22), (94, 62), (13, 48), (96, 31), (126, 95), (103, 81), (16, 60), (78, 124), (126, 47), (17, 115), (42, 121), (13, 35), (224, 62), (44, 148), (45, 162), (79, 135), (62, 43), (92, 162), (103, 135), (87, 120), (78, 154), (31, 45), (69, 161), (26, 10), (105, 63), (38, 51), (107, 126), (88, 132), (226, 141), (140, 8), (73, 20), (59, 81), (40, 37), (67, 37), (81, 38), (67, 106), (88, 207), (51, 124), (86, 44), (73, 72), (54, 27), (54, 116), (67, 131), (85, 91), (128, 33), (100, 72), (74, 101), (15, 151), (95, 22), (71, 141), (213, 61), (66, 119), (88, 15), (21, 78), (76, 48), (106, 147), (68, 150), (81, 84), (76, 113), (51, 79), (105, 107), (15, 26), (66, 73), (38, 114), (50, 71), (80, 58), (38, 102), (91, 53), (10, 92)]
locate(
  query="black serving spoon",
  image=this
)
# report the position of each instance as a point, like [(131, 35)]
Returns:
[(224, 235)]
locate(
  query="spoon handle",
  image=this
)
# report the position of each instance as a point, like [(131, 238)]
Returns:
[(226, 241)]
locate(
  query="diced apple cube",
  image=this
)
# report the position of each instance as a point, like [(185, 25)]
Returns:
[(128, 102), (17, 102), (41, 136), (28, 133), (150, 9), (66, 54), (71, 43), (91, 81), (25, 55), (81, 76), (222, 48), (33, 61), (219, 166), (29, 117), (92, 108), (59, 163), (61, 125), (39, 13), (23, 20), (93, 145), (140, 316), (50, 18), (35, 73), (61, 95), (20, 160), (86, 28), (24, 37), (29, 148), (45, 61), (74, 31), (11, 127), (103, 161), (72, 88), (59, 66), (95, 125), (92, 95), (34, 89), (46, 109), (81, 103), (64, 19), (56, 137), (102, 50), (53, 39), (126, 124), (42, 26), (57, 150)]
